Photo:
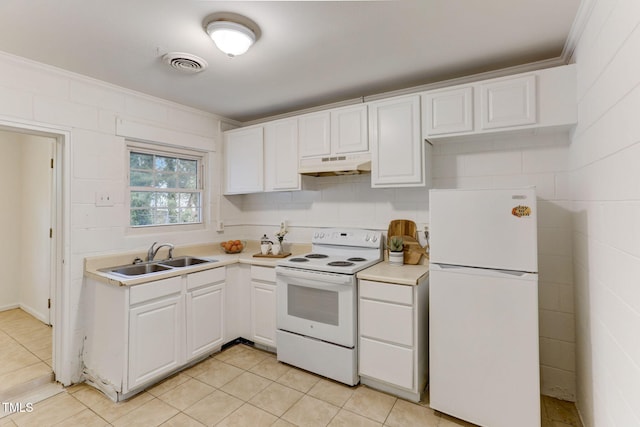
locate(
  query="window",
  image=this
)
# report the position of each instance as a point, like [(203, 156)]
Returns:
[(165, 188)]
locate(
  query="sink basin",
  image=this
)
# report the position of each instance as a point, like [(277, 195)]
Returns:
[(184, 261), (137, 269)]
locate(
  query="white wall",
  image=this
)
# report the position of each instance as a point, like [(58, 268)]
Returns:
[(9, 214), (31, 92), (491, 162), (605, 163)]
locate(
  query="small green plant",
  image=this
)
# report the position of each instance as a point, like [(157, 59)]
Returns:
[(396, 244)]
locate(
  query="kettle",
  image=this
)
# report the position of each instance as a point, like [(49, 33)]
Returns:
[(265, 245)]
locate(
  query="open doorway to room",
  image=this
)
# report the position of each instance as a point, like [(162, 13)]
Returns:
[(28, 258)]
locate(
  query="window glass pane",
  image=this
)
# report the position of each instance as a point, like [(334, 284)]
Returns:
[(156, 197), (165, 164), (141, 161), (141, 179), (141, 199), (141, 217), (190, 215), (187, 181), (188, 200), (187, 166), (166, 180)]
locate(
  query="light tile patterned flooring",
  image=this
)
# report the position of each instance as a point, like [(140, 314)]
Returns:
[(25, 348), (244, 386)]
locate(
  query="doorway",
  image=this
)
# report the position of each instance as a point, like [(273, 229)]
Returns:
[(32, 254), (26, 223)]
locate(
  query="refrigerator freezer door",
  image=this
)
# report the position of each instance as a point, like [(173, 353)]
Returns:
[(484, 228), (483, 346)]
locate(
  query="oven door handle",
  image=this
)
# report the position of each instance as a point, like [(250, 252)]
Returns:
[(316, 278)]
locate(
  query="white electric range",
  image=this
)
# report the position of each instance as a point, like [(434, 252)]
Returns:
[(317, 302)]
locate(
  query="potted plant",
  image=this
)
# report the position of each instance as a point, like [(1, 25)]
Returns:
[(396, 254)]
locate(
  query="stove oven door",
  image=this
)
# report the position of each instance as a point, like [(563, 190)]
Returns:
[(317, 304)]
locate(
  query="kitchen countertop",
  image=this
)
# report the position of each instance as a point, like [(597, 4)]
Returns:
[(92, 265), (381, 272), (397, 274)]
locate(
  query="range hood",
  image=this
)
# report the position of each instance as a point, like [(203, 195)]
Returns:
[(351, 164)]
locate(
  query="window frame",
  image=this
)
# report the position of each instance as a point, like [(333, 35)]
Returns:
[(169, 151)]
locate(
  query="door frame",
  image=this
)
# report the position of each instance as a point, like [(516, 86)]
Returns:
[(60, 254)]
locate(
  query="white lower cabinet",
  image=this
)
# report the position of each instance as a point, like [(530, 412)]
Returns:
[(393, 326), (204, 312), (155, 336), (137, 335), (263, 305)]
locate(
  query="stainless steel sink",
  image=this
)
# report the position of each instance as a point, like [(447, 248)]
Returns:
[(137, 269), (184, 261), (156, 266)]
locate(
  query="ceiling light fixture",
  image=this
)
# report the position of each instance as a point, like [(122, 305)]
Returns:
[(230, 37)]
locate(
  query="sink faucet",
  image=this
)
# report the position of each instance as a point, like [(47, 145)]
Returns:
[(151, 254)]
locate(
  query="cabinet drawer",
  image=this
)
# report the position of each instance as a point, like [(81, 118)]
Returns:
[(400, 294), (157, 289), (266, 274), (206, 277), (388, 322), (386, 362)]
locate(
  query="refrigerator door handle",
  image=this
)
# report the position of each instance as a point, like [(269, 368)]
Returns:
[(483, 271)]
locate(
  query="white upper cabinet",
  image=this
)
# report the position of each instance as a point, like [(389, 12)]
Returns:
[(397, 158), (508, 102), (243, 160), (281, 155), (262, 158), (332, 132), (543, 98), (349, 133), (448, 111), (314, 132)]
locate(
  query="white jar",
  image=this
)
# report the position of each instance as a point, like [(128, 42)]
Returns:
[(275, 249)]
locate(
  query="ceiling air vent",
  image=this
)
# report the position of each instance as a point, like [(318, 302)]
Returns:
[(185, 62)]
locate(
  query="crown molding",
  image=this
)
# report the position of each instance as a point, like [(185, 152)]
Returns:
[(577, 29)]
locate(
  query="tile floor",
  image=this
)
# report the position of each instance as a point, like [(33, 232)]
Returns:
[(25, 348), (244, 386)]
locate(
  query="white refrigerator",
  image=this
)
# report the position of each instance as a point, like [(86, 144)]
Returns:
[(483, 306)]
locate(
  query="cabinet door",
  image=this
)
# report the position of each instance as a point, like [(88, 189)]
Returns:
[(281, 155), (508, 102), (448, 111), (387, 362), (263, 313), (349, 132), (205, 320), (388, 322), (155, 340), (314, 134), (396, 145), (243, 165)]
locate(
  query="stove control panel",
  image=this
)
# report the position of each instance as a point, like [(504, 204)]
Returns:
[(348, 237)]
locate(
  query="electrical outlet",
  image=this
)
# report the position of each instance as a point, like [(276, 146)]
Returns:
[(220, 226), (103, 198)]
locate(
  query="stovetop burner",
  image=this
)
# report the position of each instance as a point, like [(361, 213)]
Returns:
[(340, 264), (356, 259), (298, 260), (316, 256)]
